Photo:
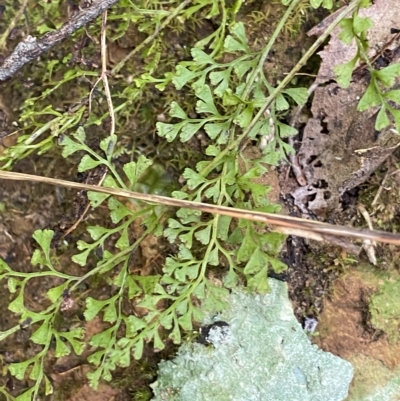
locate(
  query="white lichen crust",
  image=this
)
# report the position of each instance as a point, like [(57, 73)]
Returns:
[(267, 357)]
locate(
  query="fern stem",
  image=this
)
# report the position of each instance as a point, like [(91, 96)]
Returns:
[(268, 47), (279, 88)]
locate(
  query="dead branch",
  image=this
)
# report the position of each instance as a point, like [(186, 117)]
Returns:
[(30, 48)]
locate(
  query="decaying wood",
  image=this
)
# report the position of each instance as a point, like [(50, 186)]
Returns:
[(306, 228), (30, 48)]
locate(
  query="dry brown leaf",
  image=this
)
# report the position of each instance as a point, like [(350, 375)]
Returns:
[(340, 147), (384, 14)]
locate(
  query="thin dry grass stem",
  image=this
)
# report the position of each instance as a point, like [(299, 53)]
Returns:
[(368, 245), (104, 71), (382, 186), (303, 227), (379, 192), (103, 77)]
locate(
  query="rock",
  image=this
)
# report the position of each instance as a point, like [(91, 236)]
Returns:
[(260, 353)]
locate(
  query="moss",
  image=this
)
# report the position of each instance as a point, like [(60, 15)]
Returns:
[(385, 308)]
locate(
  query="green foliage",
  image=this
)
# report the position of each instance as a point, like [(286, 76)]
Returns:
[(379, 92), (219, 89), (44, 330)]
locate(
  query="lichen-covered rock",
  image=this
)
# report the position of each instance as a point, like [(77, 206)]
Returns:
[(262, 355)]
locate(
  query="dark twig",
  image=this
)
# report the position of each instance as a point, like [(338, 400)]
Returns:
[(30, 48)]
